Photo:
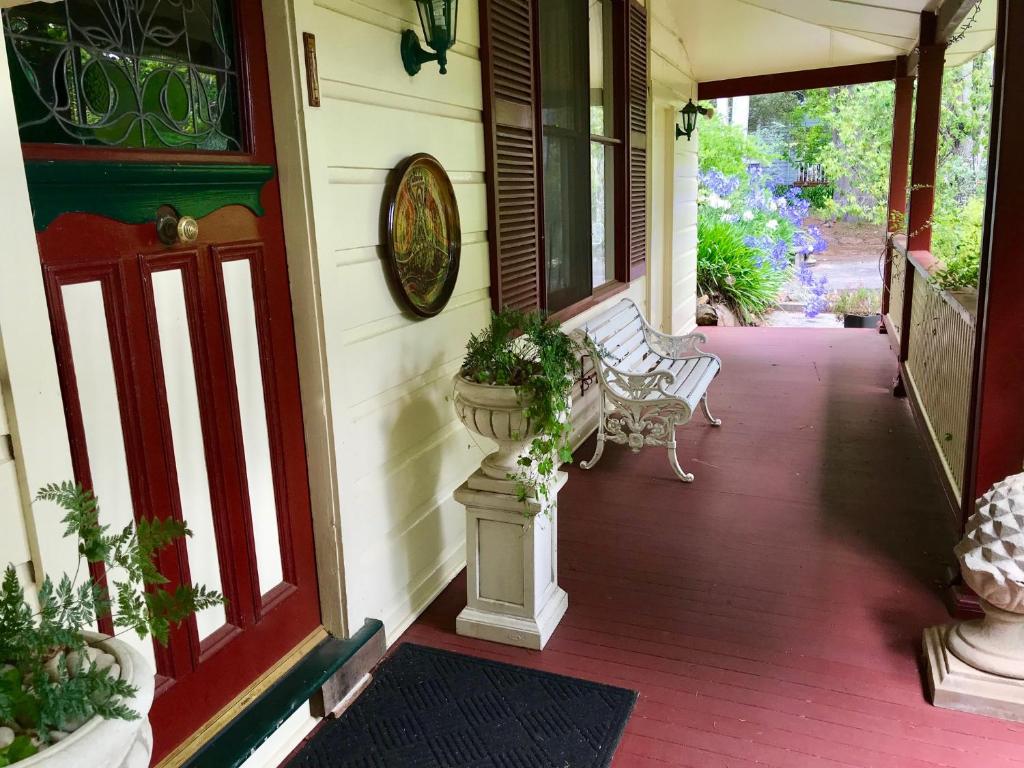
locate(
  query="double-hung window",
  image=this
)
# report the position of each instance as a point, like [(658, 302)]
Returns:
[(579, 148), (565, 118)]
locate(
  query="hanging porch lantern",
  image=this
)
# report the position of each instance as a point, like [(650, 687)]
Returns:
[(438, 19), (689, 114)]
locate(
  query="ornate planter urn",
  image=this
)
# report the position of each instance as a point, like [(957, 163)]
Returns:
[(978, 666), (512, 587), (498, 414), (100, 743)]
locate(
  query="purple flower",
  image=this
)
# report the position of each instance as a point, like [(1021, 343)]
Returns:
[(719, 183), (779, 256), (819, 242), (818, 288)]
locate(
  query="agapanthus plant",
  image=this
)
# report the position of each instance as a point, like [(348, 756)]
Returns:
[(769, 220)]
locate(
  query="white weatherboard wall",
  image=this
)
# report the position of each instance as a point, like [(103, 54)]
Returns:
[(399, 450), (673, 179), (34, 447), (14, 543)]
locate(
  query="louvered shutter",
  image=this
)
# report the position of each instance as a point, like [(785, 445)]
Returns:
[(510, 104), (636, 144)]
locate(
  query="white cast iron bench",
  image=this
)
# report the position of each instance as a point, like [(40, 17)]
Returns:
[(650, 382)]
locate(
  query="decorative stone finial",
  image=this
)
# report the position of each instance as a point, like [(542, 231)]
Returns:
[(992, 550)]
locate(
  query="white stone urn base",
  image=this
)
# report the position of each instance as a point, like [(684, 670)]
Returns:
[(512, 588), (978, 666), (100, 743), (954, 684)]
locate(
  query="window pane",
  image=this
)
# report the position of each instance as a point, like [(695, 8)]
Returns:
[(601, 72), (125, 74), (563, 61), (602, 212), (566, 220), (564, 103)]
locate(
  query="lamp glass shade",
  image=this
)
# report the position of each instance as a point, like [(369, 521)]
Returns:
[(689, 115), (438, 19)]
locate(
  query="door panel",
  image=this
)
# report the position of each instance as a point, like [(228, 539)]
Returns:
[(177, 363), (183, 400)]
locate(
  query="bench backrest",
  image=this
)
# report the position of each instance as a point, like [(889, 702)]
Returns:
[(619, 335)]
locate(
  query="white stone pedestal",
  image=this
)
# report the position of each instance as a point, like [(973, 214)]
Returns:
[(953, 684), (512, 588)]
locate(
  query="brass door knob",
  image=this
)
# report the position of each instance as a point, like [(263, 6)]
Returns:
[(188, 229)]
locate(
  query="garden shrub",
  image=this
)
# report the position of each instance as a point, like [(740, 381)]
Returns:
[(819, 196), (956, 242), (727, 149), (736, 272)]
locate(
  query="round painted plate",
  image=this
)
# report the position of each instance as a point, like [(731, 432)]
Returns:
[(422, 234)]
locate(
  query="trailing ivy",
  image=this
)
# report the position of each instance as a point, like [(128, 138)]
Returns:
[(528, 352)]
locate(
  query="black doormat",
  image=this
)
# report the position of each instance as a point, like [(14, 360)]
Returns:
[(428, 708)]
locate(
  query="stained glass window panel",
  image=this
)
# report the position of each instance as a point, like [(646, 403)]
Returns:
[(156, 74)]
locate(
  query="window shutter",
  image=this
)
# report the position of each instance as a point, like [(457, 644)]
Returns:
[(508, 45), (636, 146)]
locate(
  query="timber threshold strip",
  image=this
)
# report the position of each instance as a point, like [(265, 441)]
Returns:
[(234, 733)]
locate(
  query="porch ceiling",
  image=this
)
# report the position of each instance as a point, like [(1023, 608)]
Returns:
[(726, 39)]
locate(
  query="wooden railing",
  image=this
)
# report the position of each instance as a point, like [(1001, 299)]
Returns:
[(936, 351)]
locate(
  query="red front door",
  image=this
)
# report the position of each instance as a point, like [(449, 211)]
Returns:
[(177, 361)]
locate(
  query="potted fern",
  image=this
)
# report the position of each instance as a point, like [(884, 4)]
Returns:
[(69, 696), (514, 388)]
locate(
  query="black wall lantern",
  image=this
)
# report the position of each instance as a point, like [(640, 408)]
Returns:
[(689, 113), (438, 18)]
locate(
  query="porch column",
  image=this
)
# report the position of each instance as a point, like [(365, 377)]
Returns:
[(997, 426), (899, 165), (930, 61)]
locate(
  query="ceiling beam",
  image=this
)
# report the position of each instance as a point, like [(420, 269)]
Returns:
[(806, 79), (951, 15)]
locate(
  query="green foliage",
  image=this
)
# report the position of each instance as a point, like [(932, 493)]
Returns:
[(956, 241), (526, 351), (958, 220), (737, 273), (770, 109), (48, 679), (819, 196), (852, 139), (726, 148), (19, 749), (859, 301)]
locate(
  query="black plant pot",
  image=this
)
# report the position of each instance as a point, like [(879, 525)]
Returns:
[(861, 321)]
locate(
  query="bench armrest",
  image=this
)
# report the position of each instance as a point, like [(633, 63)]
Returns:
[(676, 347), (636, 386)]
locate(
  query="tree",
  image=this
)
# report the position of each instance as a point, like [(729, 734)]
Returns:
[(852, 139)]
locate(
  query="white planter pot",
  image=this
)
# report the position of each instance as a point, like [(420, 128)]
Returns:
[(497, 413), (103, 743)]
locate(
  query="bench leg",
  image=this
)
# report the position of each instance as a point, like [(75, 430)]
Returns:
[(704, 406), (673, 460), (599, 448)]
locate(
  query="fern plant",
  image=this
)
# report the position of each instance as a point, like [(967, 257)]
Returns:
[(50, 682), (526, 351)]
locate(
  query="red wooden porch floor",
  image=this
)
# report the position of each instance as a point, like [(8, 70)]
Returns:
[(771, 612)]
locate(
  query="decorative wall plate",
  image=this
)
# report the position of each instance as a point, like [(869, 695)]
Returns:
[(422, 235)]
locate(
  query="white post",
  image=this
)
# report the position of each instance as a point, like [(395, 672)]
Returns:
[(512, 587), (741, 112)]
